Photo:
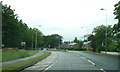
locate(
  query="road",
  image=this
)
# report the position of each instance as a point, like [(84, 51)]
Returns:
[(106, 62), (71, 61), (75, 61)]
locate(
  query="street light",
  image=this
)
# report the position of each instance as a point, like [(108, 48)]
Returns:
[(36, 39), (87, 36), (105, 32)]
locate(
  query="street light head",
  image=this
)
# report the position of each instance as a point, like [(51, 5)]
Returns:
[(102, 9)]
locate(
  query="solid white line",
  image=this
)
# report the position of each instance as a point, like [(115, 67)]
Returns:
[(49, 67)]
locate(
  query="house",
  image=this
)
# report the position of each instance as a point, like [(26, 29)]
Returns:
[(69, 45), (87, 45)]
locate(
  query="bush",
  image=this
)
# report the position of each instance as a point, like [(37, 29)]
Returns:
[(112, 47)]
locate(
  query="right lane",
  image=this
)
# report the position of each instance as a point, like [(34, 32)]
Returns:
[(106, 62), (71, 61)]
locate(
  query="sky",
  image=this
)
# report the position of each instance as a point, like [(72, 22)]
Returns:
[(68, 18)]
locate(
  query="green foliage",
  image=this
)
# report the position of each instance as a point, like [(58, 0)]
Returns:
[(14, 31), (116, 28), (113, 34), (112, 47), (80, 44), (98, 40), (52, 40), (75, 40)]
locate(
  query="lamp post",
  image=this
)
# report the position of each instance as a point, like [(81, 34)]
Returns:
[(36, 39), (87, 36), (105, 32)]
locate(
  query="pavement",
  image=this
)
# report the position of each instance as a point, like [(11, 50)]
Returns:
[(20, 60)]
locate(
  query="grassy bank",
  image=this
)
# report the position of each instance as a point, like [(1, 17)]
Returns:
[(16, 54), (26, 62), (94, 53)]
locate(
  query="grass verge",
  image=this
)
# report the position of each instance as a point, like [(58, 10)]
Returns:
[(26, 62), (94, 53), (16, 54)]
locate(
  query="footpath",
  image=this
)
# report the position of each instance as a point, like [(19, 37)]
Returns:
[(42, 65), (20, 60)]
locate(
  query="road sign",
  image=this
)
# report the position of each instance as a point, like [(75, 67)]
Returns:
[(23, 43)]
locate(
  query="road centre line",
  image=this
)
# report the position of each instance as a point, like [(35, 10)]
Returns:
[(91, 62), (102, 70)]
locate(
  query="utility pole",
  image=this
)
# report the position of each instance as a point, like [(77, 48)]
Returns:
[(105, 32), (86, 36), (36, 41)]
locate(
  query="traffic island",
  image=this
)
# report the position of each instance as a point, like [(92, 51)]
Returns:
[(24, 64)]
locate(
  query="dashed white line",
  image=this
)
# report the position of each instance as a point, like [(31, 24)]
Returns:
[(91, 62), (102, 70), (83, 57)]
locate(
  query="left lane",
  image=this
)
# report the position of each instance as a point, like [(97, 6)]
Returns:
[(71, 61), (20, 60)]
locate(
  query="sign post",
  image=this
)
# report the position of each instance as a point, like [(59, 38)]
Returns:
[(23, 44)]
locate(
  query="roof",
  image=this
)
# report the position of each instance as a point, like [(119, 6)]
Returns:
[(87, 42), (72, 43)]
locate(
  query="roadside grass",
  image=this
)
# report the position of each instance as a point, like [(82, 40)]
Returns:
[(94, 53), (16, 54), (26, 62)]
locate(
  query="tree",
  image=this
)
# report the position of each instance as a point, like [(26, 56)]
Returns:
[(75, 40), (14, 31), (10, 27), (53, 40), (116, 28), (98, 40)]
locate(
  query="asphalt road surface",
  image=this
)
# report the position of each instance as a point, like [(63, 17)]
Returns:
[(69, 61), (106, 62)]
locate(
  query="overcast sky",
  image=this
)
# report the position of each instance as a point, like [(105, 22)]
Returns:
[(64, 17)]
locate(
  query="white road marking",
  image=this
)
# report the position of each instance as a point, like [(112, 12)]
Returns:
[(91, 62), (102, 70), (48, 67), (83, 57)]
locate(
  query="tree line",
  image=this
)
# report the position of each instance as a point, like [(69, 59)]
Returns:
[(15, 31)]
